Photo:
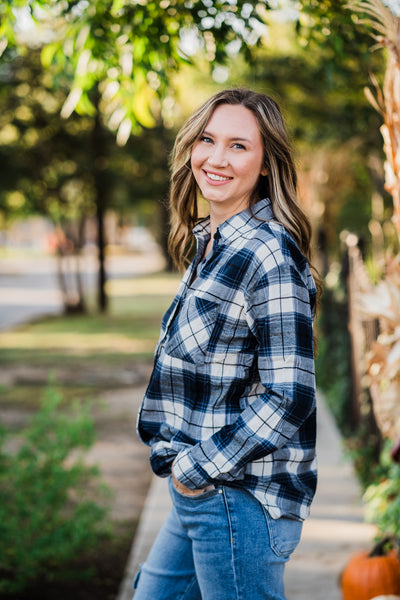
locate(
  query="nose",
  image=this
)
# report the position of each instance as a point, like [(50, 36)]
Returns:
[(217, 157)]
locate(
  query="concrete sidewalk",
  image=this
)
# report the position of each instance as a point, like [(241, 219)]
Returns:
[(333, 532)]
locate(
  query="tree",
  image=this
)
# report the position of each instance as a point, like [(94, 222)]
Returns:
[(43, 164), (117, 56), (45, 167)]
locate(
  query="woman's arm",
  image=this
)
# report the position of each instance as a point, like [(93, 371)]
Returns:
[(279, 314)]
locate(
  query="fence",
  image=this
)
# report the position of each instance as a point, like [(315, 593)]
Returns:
[(363, 332)]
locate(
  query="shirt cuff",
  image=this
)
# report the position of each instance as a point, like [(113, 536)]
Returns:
[(190, 473)]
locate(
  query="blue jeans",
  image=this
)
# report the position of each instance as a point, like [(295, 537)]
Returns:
[(220, 545)]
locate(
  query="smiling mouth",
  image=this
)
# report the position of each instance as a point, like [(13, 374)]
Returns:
[(215, 177)]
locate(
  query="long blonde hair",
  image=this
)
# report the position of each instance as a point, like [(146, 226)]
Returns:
[(280, 185)]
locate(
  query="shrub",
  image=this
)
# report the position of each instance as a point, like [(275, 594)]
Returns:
[(383, 497), (52, 505), (333, 356)]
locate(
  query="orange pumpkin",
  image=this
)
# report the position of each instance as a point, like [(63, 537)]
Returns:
[(372, 574), (386, 597)]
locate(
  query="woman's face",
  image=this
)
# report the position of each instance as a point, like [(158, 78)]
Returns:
[(227, 160)]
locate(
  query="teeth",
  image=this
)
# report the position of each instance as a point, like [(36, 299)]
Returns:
[(217, 177)]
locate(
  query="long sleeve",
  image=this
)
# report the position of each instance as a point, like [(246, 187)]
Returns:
[(279, 314)]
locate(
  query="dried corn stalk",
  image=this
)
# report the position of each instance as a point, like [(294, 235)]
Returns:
[(383, 303), (386, 32), (383, 358)]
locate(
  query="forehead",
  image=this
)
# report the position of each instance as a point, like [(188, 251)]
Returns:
[(235, 120)]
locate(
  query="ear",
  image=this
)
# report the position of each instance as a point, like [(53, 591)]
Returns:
[(264, 171)]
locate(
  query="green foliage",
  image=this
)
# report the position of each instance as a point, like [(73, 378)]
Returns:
[(334, 128), (383, 497), (333, 25), (103, 65), (333, 358), (118, 55), (363, 447), (333, 367), (52, 507), (46, 163)]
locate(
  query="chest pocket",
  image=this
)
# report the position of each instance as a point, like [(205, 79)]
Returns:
[(189, 333)]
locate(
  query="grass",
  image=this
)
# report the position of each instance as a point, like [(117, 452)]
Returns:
[(83, 335), (88, 346), (27, 396), (131, 326)]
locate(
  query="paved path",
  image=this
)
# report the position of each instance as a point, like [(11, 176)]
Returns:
[(123, 459), (335, 529), (333, 532)]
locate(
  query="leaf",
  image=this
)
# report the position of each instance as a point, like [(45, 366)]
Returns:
[(117, 5), (85, 106), (124, 131), (3, 45), (373, 101), (376, 303), (393, 361), (71, 102), (116, 118), (47, 54), (82, 37), (83, 62), (141, 106)]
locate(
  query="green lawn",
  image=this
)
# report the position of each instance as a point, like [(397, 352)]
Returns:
[(87, 347)]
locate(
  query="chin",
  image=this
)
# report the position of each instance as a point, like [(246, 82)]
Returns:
[(214, 197)]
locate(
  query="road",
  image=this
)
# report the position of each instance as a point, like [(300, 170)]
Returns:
[(29, 286)]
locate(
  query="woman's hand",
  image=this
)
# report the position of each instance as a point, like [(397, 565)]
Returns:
[(182, 489)]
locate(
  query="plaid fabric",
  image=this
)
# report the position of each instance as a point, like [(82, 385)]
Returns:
[(232, 395)]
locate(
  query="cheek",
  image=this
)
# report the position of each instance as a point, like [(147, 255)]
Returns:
[(196, 155), (248, 171), (196, 161)]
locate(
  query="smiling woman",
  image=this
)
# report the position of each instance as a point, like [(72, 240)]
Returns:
[(229, 412), (227, 167)]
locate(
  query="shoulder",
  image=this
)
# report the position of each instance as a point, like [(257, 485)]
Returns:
[(281, 278), (272, 247)]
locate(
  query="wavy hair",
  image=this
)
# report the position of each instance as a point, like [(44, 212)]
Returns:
[(280, 185)]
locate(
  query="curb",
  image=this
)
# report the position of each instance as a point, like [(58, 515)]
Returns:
[(154, 513)]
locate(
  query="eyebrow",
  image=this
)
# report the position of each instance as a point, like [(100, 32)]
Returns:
[(233, 139)]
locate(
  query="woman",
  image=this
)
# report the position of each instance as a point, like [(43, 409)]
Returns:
[(229, 412)]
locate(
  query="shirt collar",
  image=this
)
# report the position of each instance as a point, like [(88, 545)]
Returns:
[(239, 225)]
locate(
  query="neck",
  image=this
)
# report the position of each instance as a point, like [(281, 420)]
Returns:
[(219, 214)]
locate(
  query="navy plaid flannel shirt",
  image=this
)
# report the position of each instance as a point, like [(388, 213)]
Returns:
[(232, 395)]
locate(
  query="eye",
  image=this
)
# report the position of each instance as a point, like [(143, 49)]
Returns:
[(239, 146), (206, 139)]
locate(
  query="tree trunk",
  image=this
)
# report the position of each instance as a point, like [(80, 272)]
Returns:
[(78, 256), (98, 152), (164, 208), (101, 295), (69, 272), (164, 219)]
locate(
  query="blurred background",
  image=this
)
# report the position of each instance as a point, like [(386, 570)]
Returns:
[(91, 97)]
